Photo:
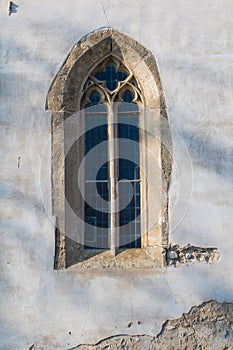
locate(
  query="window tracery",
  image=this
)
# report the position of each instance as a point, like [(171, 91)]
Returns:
[(112, 82)]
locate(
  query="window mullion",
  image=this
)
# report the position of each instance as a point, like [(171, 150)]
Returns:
[(113, 177)]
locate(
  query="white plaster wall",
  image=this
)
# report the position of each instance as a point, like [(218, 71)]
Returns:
[(192, 42)]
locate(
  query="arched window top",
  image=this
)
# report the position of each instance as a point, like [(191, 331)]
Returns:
[(110, 81), (104, 53)]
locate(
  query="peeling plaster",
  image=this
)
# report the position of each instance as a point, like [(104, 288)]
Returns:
[(207, 326)]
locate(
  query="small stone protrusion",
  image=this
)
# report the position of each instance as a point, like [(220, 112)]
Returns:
[(172, 257), (191, 254)]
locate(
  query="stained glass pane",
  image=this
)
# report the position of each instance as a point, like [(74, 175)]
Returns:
[(103, 172), (111, 76), (128, 107), (96, 179), (128, 96), (122, 76), (130, 228), (96, 105), (95, 97), (129, 173)]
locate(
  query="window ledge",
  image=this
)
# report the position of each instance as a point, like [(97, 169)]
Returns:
[(125, 259)]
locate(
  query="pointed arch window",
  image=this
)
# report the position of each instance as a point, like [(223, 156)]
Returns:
[(109, 85), (111, 99)]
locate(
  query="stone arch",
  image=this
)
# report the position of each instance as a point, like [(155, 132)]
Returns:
[(63, 101)]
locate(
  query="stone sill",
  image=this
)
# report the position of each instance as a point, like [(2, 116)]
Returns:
[(125, 259)]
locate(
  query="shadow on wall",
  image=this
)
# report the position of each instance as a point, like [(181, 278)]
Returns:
[(208, 154)]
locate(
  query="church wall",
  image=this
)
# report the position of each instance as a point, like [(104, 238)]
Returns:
[(192, 44)]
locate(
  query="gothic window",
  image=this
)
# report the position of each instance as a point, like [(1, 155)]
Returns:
[(111, 99), (109, 119)]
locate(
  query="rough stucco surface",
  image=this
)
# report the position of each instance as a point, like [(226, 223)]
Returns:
[(192, 44), (205, 327)]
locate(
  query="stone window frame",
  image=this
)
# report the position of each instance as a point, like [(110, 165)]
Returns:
[(63, 101)]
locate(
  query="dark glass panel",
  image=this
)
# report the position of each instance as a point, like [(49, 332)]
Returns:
[(95, 97), (102, 172), (128, 96), (96, 235), (128, 131), (94, 135), (111, 76), (128, 170), (102, 189), (122, 76), (127, 107), (130, 228), (96, 191)]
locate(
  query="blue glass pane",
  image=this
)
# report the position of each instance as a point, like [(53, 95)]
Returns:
[(111, 76), (100, 76), (101, 217), (93, 109), (95, 136), (128, 107), (122, 76), (103, 172), (102, 189), (130, 228), (96, 210), (128, 96), (127, 131), (131, 211), (128, 170), (95, 97), (97, 218)]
